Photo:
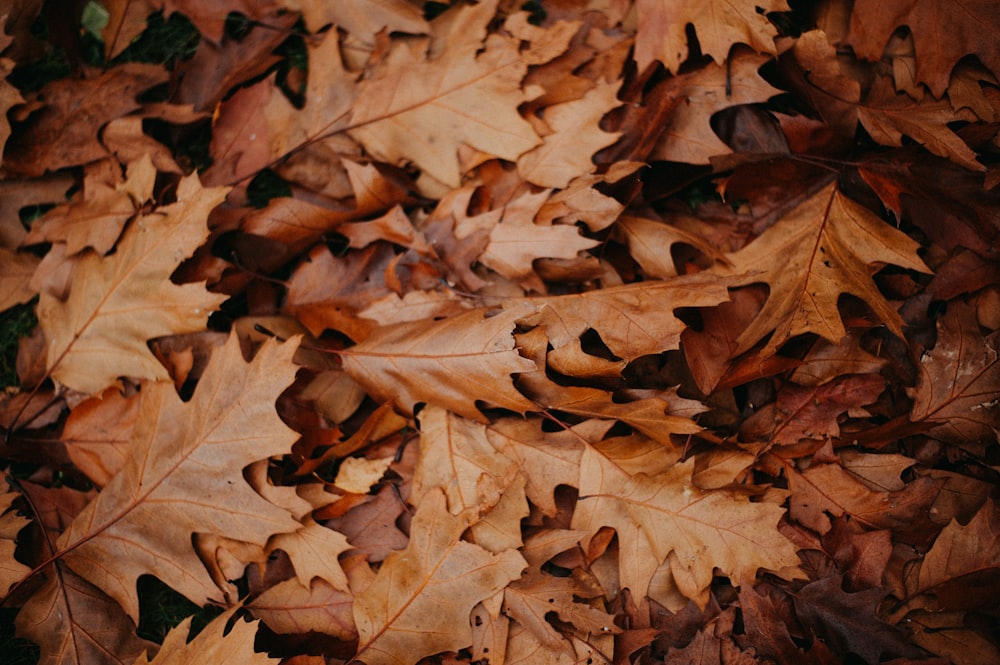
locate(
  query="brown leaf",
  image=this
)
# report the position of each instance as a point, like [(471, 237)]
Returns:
[(966, 33), (688, 135), (119, 302), (959, 379), (183, 474), (848, 622), (661, 33), (421, 599), (212, 645), (66, 131), (428, 97), (75, 622), (970, 552), (11, 570), (97, 434), (827, 245), (699, 531), (451, 363), (289, 607)]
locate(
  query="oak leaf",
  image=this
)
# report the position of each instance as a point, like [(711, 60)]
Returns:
[(66, 132), (428, 97), (183, 473), (719, 24), (828, 246), (11, 570), (943, 34), (97, 434), (371, 527), (969, 552), (15, 281), (119, 302), (451, 363), (699, 531), (848, 622), (258, 125), (75, 622), (290, 607), (313, 550), (212, 645), (959, 379), (576, 135), (421, 599), (688, 135)]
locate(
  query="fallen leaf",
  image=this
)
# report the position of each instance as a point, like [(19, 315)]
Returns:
[(100, 332), (212, 645), (184, 474), (421, 599), (450, 363)]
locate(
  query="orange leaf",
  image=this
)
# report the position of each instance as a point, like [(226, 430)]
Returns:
[(212, 645)]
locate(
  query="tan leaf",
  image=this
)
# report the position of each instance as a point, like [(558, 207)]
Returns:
[(212, 645), (699, 531), (633, 320), (184, 474), (428, 97), (119, 302), (961, 550), (718, 23), (313, 550), (421, 599), (828, 246), (15, 280), (450, 363), (457, 456), (576, 135), (289, 607)]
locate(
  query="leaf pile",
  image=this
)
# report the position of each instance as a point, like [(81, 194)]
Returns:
[(606, 332)]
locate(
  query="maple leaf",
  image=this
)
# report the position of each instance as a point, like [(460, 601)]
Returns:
[(420, 601), (827, 245), (688, 135), (943, 33), (119, 302), (718, 23), (450, 363), (699, 531), (183, 473), (212, 645), (959, 378), (428, 97)]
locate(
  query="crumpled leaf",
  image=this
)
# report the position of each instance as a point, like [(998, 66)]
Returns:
[(183, 474), (421, 599), (119, 302)]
